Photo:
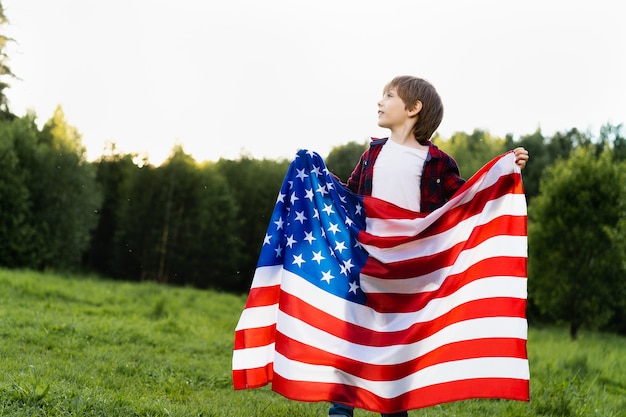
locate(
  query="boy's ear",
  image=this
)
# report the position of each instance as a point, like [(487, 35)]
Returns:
[(416, 109)]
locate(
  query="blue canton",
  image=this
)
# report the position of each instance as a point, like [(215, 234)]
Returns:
[(314, 228)]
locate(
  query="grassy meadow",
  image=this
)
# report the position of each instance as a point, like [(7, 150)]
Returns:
[(81, 346)]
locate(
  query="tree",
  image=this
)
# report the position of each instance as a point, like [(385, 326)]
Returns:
[(472, 152), (18, 140), (178, 224), (254, 185), (113, 173), (342, 159), (539, 160), (575, 275), (65, 195), (5, 70)]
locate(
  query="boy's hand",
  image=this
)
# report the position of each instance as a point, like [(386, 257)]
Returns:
[(521, 156)]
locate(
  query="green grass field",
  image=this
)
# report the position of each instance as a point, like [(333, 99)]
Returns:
[(80, 346)]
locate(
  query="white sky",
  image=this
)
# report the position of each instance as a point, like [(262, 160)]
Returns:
[(268, 77)]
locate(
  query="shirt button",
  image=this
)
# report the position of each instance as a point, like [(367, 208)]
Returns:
[(438, 180)]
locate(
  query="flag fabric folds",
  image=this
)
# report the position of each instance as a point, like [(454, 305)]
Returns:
[(357, 301)]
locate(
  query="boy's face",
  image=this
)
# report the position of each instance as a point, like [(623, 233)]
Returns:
[(392, 110)]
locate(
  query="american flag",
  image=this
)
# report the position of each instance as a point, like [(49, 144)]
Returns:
[(357, 301)]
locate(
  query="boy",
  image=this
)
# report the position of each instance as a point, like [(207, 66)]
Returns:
[(407, 169)]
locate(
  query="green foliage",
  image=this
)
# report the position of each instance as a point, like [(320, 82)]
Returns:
[(113, 173), (472, 151), (80, 346), (65, 195), (5, 70), (540, 159), (177, 225), (16, 229), (575, 273), (254, 185), (342, 159), (49, 193)]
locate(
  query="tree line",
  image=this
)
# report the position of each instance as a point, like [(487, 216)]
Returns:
[(202, 224)]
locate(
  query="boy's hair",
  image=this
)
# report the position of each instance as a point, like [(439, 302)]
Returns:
[(411, 90)]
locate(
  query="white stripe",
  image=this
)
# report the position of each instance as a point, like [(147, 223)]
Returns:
[(251, 358), (437, 374), (491, 327), (509, 246), (267, 276), (254, 317)]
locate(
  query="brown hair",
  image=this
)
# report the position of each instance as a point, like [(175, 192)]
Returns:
[(411, 90)]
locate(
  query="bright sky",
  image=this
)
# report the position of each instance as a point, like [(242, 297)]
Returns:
[(268, 77)]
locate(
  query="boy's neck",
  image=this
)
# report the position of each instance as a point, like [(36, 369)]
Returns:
[(406, 138)]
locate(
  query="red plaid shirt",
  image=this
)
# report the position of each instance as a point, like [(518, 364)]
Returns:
[(440, 176)]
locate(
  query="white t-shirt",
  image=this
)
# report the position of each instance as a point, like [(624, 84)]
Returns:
[(397, 175)]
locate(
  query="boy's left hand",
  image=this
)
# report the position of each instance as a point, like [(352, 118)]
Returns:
[(521, 157)]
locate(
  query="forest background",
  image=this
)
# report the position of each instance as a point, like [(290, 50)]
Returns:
[(185, 223)]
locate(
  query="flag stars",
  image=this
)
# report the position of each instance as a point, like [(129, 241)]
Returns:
[(279, 223), (322, 190), (328, 209), (297, 259), (267, 239), (301, 174), (309, 194), (316, 170), (353, 287), (327, 276), (308, 236), (300, 216), (280, 198), (340, 246), (317, 256), (294, 198), (333, 228), (279, 251), (291, 241), (347, 266)]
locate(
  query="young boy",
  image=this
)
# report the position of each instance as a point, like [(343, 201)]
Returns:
[(407, 169)]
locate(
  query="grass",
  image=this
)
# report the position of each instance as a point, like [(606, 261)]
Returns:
[(81, 346)]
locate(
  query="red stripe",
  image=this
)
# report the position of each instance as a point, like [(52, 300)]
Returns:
[(381, 209), (263, 296), (490, 307), (253, 378), (469, 349), (404, 303), (500, 388), (255, 337)]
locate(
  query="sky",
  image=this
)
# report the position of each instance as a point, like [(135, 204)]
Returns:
[(266, 78)]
